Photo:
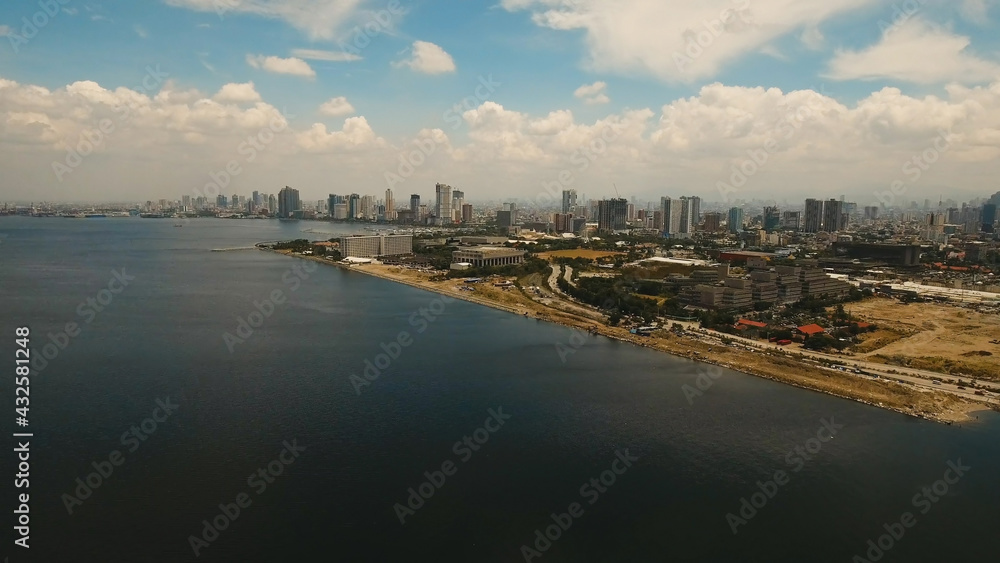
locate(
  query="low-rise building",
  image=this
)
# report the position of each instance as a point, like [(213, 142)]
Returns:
[(488, 256)]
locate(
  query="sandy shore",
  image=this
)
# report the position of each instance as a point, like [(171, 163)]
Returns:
[(774, 365)]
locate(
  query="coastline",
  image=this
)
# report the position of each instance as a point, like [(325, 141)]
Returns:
[(783, 368)]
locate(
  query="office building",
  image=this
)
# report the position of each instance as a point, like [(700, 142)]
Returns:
[(833, 216), (814, 215), (353, 206), (772, 219), (612, 214), (568, 201), (288, 202), (505, 218), (673, 213), (791, 220), (712, 222), (390, 206), (442, 209), (735, 224)]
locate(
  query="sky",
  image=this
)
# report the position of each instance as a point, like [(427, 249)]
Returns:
[(730, 100)]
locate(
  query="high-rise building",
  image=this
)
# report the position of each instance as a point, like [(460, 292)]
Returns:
[(288, 202), (354, 206), (735, 224), (568, 201), (331, 204), (466, 212), (457, 201), (612, 214), (712, 222), (442, 209), (414, 202), (791, 220), (814, 215), (272, 203), (833, 216), (673, 215), (390, 206), (367, 207), (772, 219), (989, 217), (505, 218)]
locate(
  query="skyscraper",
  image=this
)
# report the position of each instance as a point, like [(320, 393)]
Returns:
[(466, 213), (353, 206), (611, 214), (814, 215), (457, 201), (390, 206), (415, 206), (442, 209), (735, 219), (331, 203), (673, 214), (772, 219), (568, 201), (288, 202), (832, 216)]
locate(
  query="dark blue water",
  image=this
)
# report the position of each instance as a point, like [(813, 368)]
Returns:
[(161, 337)]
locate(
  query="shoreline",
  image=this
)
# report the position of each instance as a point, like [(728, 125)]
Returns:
[(800, 374)]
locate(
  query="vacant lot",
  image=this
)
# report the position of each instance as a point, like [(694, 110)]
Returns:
[(579, 253), (950, 339)]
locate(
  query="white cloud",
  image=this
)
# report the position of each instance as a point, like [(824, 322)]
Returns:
[(336, 107), (915, 52), (678, 40), (237, 93), (278, 65), (823, 147), (318, 19), (317, 55), (593, 93), (356, 134), (428, 58), (140, 31)]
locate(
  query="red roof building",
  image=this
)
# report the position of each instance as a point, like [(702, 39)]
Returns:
[(811, 330), (749, 323)]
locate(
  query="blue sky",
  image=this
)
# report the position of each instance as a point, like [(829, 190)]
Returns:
[(623, 54)]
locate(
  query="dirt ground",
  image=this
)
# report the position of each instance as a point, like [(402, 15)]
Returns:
[(932, 336)]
